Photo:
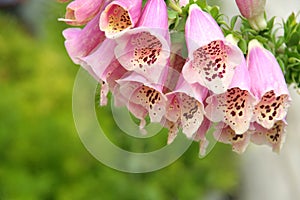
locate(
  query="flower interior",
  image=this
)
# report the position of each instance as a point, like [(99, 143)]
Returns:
[(147, 49), (191, 114), (118, 19), (150, 99), (236, 107), (210, 61), (270, 109)]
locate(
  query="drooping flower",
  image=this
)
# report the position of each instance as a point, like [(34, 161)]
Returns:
[(79, 12), (138, 90), (273, 137), (235, 106), (211, 59), (225, 134), (81, 42), (185, 106), (268, 85), (145, 49), (253, 10), (119, 16)]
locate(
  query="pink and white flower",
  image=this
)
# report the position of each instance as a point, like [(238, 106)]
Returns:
[(79, 12), (211, 60), (268, 86), (235, 106), (80, 43), (119, 16), (145, 49), (185, 106), (138, 90)]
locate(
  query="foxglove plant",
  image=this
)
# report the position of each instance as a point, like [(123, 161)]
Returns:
[(170, 60)]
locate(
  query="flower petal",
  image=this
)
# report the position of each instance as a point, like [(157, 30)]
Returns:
[(273, 137), (137, 91), (213, 65), (81, 42), (197, 27), (145, 49), (226, 135), (235, 106), (101, 58), (79, 12), (191, 114), (119, 16)]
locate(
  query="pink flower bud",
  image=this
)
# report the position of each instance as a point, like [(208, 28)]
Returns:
[(253, 10)]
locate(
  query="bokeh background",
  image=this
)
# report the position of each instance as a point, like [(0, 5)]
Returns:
[(42, 157)]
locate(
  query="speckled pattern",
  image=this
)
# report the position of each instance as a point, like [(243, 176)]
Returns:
[(119, 19)]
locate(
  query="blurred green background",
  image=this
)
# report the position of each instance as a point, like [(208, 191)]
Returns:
[(41, 155)]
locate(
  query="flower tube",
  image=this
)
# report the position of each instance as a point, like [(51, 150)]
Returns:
[(267, 85)]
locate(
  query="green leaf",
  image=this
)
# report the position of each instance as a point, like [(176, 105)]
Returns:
[(201, 3), (279, 42), (214, 12), (172, 14), (243, 45), (233, 21), (270, 23), (281, 63), (294, 40)]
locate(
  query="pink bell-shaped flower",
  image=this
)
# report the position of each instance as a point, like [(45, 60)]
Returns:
[(119, 16), (138, 90), (268, 86), (79, 12), (185, 106), (211, 60), (145, 49), (235, 106), (82, 42)]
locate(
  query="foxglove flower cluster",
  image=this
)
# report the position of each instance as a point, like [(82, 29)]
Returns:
[(127, 48)]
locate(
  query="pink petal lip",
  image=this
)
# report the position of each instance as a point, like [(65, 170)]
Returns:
[(235, 106), (120, 16), (226, 135), (274, 137), (139, 90), (213, 65), (186, 103), (144, 51)]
